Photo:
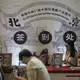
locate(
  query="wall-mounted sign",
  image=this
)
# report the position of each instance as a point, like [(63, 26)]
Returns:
[(6, 58), (20, 37), (45, 37), (69, 36)]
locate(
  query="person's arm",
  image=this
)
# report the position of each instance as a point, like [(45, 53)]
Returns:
[(17, 77), (32, 74), (71, 62)]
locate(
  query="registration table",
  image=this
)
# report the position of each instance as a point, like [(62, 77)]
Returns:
[(63, 73)]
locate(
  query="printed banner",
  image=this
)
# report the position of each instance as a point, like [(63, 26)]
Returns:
[(45, 10)]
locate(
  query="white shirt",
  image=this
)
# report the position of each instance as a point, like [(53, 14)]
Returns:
[(36, 70)]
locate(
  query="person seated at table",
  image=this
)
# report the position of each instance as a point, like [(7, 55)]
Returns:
[(44, 57), (71, 54)]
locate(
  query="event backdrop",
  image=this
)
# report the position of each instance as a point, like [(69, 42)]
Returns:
[(39, 24)]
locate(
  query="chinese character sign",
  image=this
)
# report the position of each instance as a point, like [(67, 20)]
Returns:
[(45, 37), (69, 36), (14, 22), (20, 37)]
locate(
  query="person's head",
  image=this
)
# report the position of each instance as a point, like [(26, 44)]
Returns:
[(44, 51), (67, 46), (44, 55), (25, 55), (70, 46)]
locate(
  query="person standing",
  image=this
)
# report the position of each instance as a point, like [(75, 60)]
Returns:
[(35, 69)]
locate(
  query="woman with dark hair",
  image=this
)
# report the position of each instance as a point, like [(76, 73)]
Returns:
[(71, 54)]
